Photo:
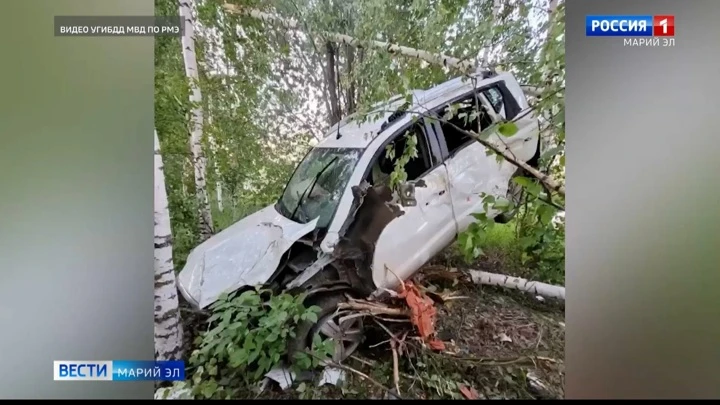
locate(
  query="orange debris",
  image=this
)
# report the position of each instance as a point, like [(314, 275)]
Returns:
[(422, 314)]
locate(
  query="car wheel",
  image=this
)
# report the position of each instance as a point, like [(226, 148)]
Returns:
[(346, 334)]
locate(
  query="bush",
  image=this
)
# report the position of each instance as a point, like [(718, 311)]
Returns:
[(247, 336)]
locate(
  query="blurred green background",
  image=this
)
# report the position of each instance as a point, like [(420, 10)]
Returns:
[(76, 123)]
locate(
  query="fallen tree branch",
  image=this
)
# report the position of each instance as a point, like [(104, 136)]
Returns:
[(438, 59), (396, 367), (364, 376), (544, 178), (517, 283), (373, 309)]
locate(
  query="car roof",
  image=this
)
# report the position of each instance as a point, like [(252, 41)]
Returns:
[(351, 133)]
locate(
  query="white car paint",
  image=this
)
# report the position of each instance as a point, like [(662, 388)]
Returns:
[(245, 253), (248, 252)]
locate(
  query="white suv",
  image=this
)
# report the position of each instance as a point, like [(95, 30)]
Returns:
[(334, 232)]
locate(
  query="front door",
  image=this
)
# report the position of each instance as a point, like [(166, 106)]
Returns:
[(412, 239)]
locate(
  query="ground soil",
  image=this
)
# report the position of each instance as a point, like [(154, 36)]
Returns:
[(500, 344)]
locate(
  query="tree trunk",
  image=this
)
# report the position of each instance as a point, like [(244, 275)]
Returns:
[(350, 102), (168, 329), (214, 150), (330, 68), (196, 131), (532, 287)]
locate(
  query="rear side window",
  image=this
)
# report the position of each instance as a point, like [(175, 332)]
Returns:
[(495, 97)]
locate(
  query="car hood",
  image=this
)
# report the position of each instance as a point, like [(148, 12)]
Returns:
[(246, 253)]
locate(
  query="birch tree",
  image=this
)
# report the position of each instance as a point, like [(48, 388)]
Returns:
[(168, 329), (196, 120)]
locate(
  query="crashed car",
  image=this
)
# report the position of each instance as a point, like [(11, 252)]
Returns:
[(339, 229)]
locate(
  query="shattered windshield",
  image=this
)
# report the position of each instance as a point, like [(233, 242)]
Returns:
[(317, 184)]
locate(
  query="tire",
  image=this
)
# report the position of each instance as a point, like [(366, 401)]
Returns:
[(305, 331)]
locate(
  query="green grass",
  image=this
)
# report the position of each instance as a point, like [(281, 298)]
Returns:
[(500, 236)]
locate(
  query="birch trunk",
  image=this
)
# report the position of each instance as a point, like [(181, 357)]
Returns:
[(196, 131), (532, 287), (168, 329), (350, 93)]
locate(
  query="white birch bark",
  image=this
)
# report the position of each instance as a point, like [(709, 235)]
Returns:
[(168, 329), (532, 287), (196, 131)]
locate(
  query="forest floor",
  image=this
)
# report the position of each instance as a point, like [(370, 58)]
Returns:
[(500, 344)]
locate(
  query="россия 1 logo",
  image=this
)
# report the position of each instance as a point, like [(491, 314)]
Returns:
[(638, 30)]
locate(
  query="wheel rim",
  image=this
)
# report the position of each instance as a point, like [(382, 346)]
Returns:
[(346, 334)]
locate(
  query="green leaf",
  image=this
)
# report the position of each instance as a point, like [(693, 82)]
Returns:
[(501, 203), (311, 316), (551, 152), (507, 129)]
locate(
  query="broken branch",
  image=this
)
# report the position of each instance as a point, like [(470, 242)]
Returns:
[(396, 367), (364, 376), (544, 178), (532, 287), (373, 309), (438, 59)]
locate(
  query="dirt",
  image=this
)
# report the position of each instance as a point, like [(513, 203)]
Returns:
[(500, 344)]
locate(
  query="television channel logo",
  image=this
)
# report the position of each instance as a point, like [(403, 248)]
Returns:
[(630, 26), (118, 370)]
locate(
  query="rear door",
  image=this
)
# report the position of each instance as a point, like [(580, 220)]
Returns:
[(471, 171), (513, 107)]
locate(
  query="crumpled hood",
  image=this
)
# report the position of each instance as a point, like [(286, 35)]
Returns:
[(246, 253)]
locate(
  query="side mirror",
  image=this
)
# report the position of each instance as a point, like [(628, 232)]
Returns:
[(406, 191)]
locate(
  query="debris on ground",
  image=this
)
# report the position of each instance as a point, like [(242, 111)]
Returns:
[(281, 375), (332, 376), (422, 314), (468, 392)]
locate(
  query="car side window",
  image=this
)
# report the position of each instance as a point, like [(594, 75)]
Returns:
[(417, 164), (469, 115), (495, 97)]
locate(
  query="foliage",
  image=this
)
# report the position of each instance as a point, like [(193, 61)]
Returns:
[(247, 336), (539, 219)]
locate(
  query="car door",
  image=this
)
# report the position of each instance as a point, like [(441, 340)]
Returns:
[(413, 238), (472, 173), (524, 143)]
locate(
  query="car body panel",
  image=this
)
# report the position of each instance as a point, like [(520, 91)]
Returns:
[(246, 253), (413, 238), (471, 173)]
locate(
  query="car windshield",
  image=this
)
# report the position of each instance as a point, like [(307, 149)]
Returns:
[(317, 184)]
